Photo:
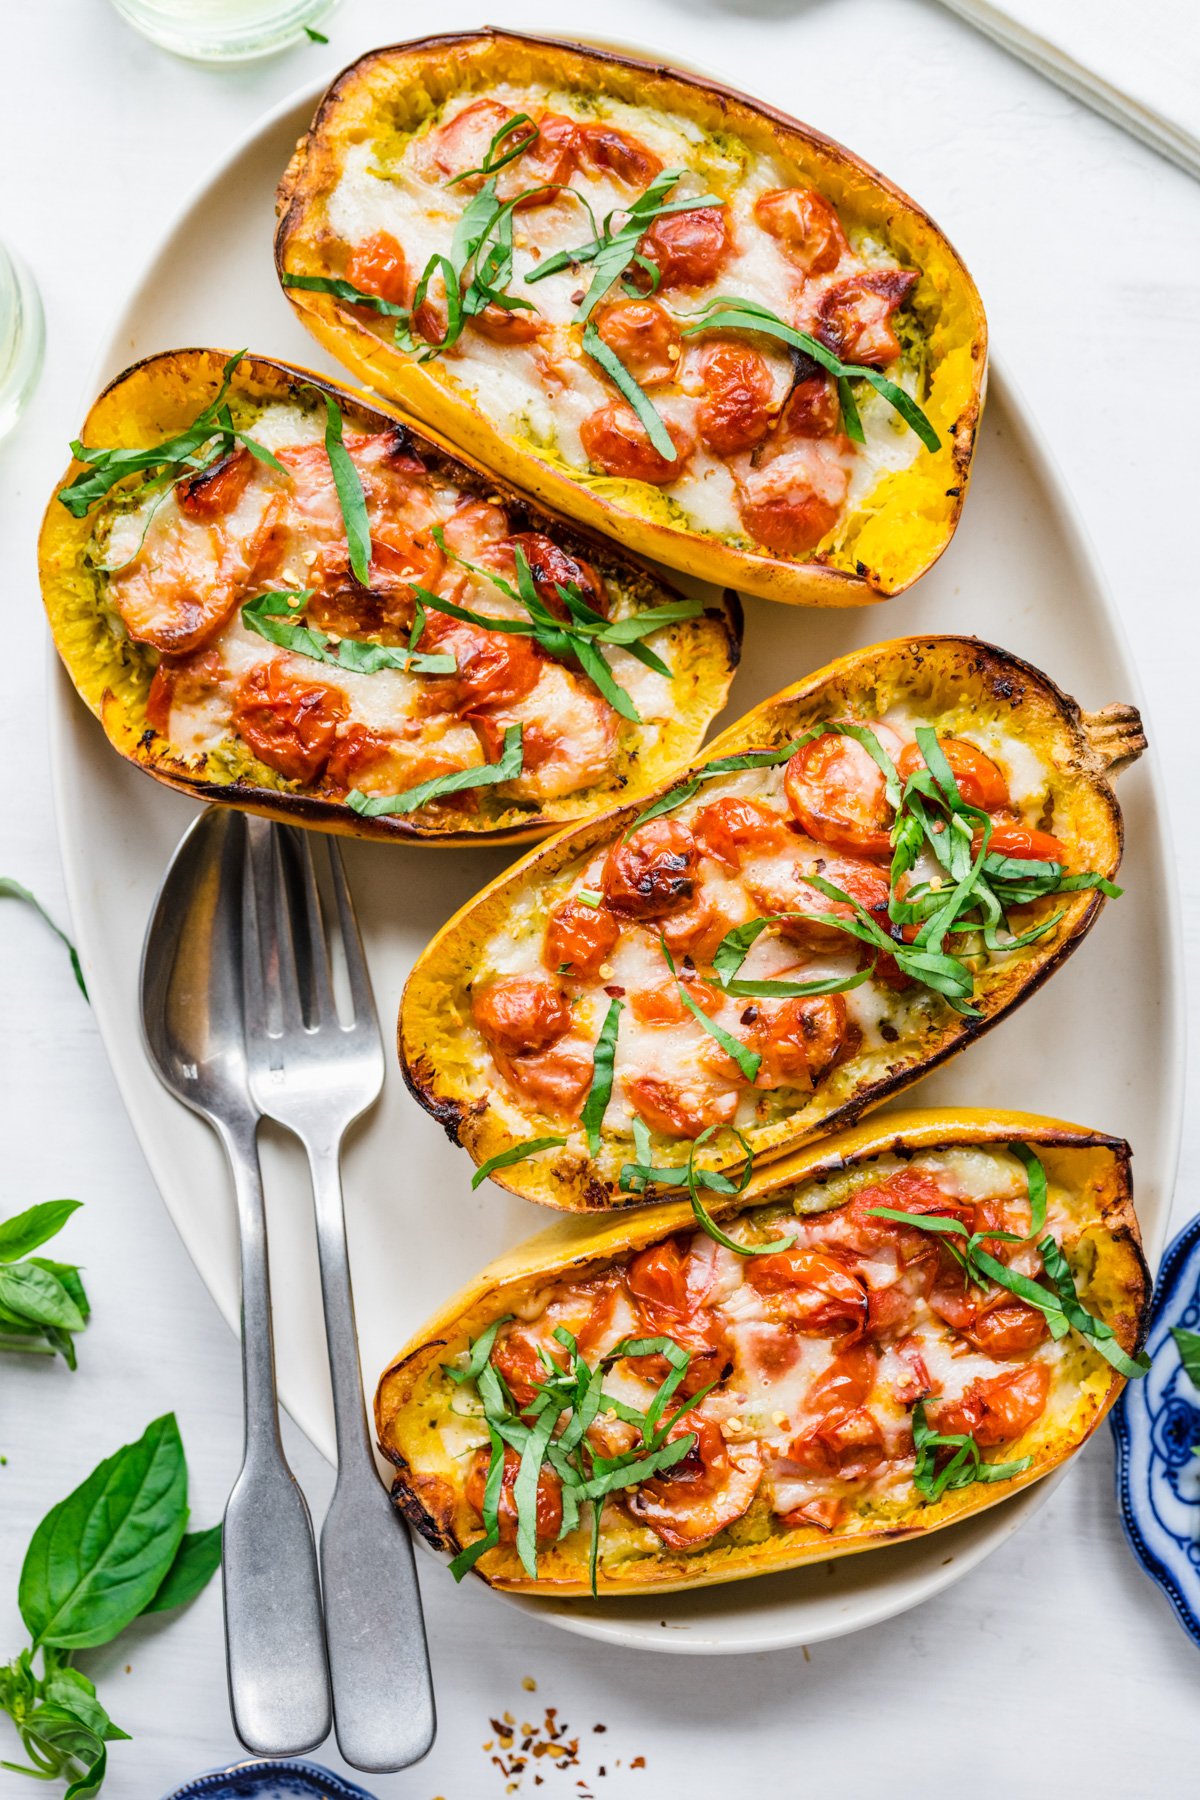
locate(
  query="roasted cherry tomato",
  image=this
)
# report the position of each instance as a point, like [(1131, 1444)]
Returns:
[(802, 1040), (474, 528), (644, 336), (508, 324), (998, 1408), (290, 724), (548, 1510), (781, 887), (711, 1487), (837, 792), (854, 319), (215, 491), (996, 1322), (548, 163), (688, 247), (978, 779), (696, 929), (805, 225), (463, 141), (846, 1382), (908, 1191), (556, 1081), (187, 680), (614, 438), (551, 568), (676, 1111), (521, 1014), (731, 829), (579, 939), (811, 410), (377, 266), (492, 669), (1023, 843), (652, 872), (603, 147), (662, 1005), (847, 1444), (788, 507), (670, 1287), (813, 1290), (735, 413)]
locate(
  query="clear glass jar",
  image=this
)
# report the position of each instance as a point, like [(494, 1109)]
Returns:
[(224, 30), (22, 338)]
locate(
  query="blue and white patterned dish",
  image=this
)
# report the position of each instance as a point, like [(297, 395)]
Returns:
[(1156, 1423), (271, 1780)]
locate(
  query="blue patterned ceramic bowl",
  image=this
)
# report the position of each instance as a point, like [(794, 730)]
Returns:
[(271, 1780), (1156, 1423)]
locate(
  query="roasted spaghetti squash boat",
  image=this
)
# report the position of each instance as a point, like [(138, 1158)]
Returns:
[(275, 594), (672, 312), (884, 1334), (859, 877)]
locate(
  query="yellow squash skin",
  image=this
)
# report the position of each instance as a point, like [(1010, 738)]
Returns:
[(953, 682), (159, 397), (1105, 1258), (877, 549)]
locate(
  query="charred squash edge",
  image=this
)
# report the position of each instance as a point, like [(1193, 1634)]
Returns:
[(177, 383), (837, 576), (572, 1247), (1095, 744)]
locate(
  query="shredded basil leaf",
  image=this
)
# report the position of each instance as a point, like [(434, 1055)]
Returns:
[(515, 1153), (656, 430), (350, 494), (507, 768), (273, 616), (13, 890), (600, 1092), (965, 1467), (748, 1061), (492, 163)]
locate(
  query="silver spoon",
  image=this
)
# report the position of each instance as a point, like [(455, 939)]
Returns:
[(191, 1003)]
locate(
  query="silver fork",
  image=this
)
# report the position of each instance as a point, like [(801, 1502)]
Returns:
[(315, 1074)]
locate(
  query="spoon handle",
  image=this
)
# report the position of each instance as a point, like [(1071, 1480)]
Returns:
[(379, 1662), (274, 1638)]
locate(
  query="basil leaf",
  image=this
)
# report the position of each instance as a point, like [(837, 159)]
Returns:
[(25, 1231), (12, 890), (350, 494), (481, 1350), (196, 1561), (344, 290), (748, 1061), (965, 1466), (314, 36), (600, 1091), (507, 768), (35, 1294), (514, 1154), (262, 616), (656, 430), (101, 1554), (736, 945), (1188, 1345), (1099, 1335), (1038, 1193), (491, 162)]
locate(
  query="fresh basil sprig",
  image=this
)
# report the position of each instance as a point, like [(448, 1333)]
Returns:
[(508, 766), (274, 616), (42, 1303), (965, 1467), (13, 890), (211, 435), (551, 1431), (114, 1549), (730, 312), (1059, 1304)]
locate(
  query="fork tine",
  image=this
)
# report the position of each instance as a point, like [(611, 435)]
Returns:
[(352, 945), (279, 976), (255, 1008), (308, 927)]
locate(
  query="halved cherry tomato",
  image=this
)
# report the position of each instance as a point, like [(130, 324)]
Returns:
[(669, 1287), (492, 668), (813, 1290), (1023, 843), (677, 1111), (786, 889), (545, 166), (802, 1040), (515, 1355), (521, 1014), (652, 872), (556, 1081), (688, 247), (290, 724), (548, 1509), (837, 792), (644, 336), (854, 319), (731, 828), (508, 324), (847, 1382), (907, 1191), (462, 142), (696, 929), (214, 491), (996, 1322), (603, 147), (806, 226), (704, 1493), (811, 410), (796, 498), (845, 1444), (735, 412), (662, 1005), (998, 1408), (474, 528), (824, 1513), (550, 567), (185, 680), (916, 1381), (378, 266), (978, 779), (579, 939), (614, 438)]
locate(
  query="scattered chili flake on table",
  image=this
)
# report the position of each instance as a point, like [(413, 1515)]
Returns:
[(531, 1749)]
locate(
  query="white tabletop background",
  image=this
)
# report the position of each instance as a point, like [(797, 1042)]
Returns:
[(1055, 1668)]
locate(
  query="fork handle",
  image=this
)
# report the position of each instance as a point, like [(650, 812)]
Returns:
[(383, 1704), (274, 1638)]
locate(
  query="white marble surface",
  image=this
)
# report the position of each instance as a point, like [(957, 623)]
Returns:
[(1055, 1668)]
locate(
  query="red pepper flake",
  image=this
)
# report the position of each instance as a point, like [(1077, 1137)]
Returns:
[(638, 1762)]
